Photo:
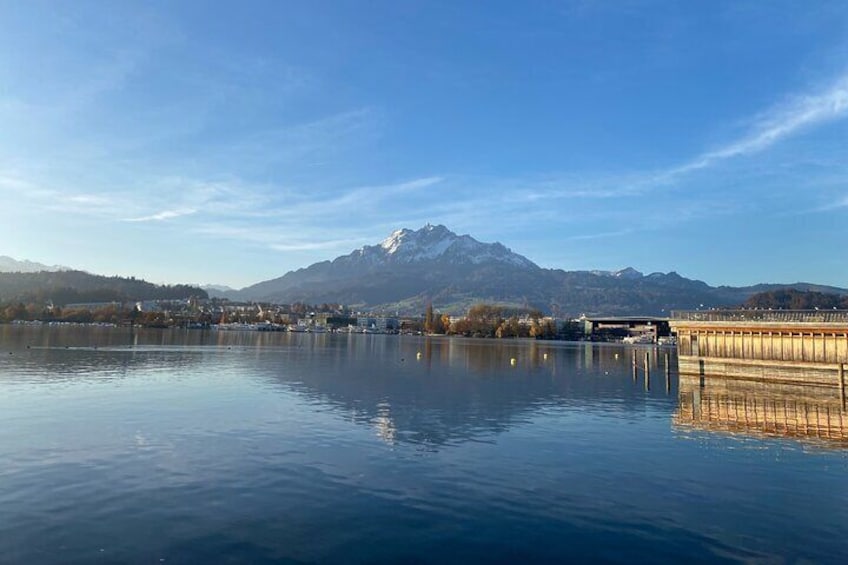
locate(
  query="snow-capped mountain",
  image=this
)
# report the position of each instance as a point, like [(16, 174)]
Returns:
[(10, 265), (626, 273), (435, 243), (411, 268), (408, 264)]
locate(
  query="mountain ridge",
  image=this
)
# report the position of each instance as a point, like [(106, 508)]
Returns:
[(69, 286), (411, 268), (12, 265), (433, 265)]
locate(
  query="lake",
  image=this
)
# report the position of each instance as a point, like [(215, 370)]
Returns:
[(190, 446)]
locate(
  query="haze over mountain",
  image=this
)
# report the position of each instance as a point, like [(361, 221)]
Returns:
[(433, 264), (11, 265)]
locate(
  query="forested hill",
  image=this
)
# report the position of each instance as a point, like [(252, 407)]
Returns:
[(793, 299), (68, 287)]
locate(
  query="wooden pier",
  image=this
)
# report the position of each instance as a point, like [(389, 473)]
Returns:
[(791, 347)]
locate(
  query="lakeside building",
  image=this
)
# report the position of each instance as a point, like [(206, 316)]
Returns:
[(649, 328), (781, 346), (380, 324)]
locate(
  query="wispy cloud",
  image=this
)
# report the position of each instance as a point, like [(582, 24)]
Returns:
[(322, 139), (536, 197), (88, 199), (793, 116), (163, 215), (293, 226), (312, 245), (15, 184), (778, 123), (836, 204)]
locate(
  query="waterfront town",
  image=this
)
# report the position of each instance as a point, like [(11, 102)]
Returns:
[(481, 320)]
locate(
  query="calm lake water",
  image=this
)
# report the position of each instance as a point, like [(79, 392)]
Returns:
[(197, 446)]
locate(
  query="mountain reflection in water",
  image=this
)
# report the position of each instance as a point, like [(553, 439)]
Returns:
[(188, 446)]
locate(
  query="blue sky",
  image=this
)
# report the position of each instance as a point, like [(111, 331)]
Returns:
[(230, 142)]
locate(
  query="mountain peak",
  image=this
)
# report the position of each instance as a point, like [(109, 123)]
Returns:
[(437, 242), (625, 273), (628, 273), (392, 243)]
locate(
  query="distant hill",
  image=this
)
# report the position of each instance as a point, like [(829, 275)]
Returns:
[(217, 290), (795, 299), (66, 287), (10, 265), (433, 264)]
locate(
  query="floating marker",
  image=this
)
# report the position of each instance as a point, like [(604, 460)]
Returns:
[(418, 355), (616, 355), (512, 361), (544, 356)]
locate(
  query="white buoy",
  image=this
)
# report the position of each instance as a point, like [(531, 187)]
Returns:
[(544, 356), (418, 355), (512, 361)]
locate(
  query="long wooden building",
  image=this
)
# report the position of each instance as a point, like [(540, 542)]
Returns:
[(801, 347)]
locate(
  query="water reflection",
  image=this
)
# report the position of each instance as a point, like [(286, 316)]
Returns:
[(426, 392), (248, 447), (54, 354), (432, 392), (723, 404)]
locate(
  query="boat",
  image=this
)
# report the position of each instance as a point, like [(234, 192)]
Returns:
[(639, 339)]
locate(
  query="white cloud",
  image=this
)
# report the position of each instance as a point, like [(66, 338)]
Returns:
[(163, 215), (776, 124)]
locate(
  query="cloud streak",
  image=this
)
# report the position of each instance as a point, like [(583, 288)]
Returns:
[(777, 124), (163, 215)]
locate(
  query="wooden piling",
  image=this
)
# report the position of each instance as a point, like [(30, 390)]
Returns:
[(667, 374), (647, 371), (635, 367)]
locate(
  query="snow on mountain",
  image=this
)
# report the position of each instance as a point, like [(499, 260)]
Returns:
[(432, 265), (626, 273), (10, 265), (429, 243)]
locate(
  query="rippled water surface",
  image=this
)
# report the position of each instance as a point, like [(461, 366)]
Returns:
[(120, 445)]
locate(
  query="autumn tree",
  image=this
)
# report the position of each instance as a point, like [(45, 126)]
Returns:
[(429, 318)]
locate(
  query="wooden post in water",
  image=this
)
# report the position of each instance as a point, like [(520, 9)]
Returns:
[(667, 374), (635, 367), (841, 371), (647, 371)]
